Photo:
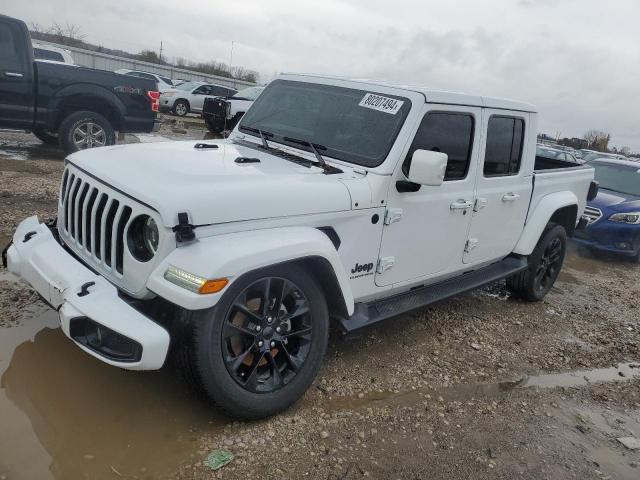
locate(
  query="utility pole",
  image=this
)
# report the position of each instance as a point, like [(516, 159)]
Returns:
[(231, 64), (160, 56)]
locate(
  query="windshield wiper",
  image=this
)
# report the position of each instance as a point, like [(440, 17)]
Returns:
[(263, 134), (314, 147)]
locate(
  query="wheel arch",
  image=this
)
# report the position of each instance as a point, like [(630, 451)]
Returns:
[(97, 100), (559, 207), (233, 255)]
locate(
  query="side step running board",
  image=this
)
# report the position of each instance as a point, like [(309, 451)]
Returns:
[(369, 313)]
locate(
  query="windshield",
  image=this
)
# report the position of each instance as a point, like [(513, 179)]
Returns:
[(188, 86), (618, 178), (250, 93), (354, 125)]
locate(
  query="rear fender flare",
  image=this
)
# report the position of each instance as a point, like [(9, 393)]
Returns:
[(538, 219), (232, 255), (64, 98)]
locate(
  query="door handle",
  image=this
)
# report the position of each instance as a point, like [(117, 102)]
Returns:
[(461, 205), (13, 74), (510, 197)]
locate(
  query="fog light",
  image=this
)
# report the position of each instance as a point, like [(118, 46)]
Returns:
[(623, 245), (192, 282), (104, 341)]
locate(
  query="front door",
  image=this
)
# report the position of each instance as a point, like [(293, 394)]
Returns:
[(503, 188), (16, 79), (426, 227)]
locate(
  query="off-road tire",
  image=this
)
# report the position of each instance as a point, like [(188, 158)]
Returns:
[(181, 108), (76, 120), (46, 137), (524, 284), (213, 127), (198, 353)]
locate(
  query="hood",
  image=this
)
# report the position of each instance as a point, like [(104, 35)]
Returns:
[(211, 186), (619, 202)]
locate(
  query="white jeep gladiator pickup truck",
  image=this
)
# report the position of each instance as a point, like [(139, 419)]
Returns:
[(332, 200)]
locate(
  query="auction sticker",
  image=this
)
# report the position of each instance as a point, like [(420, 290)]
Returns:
[(380, 103)]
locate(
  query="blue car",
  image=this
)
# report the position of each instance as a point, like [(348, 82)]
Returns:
[(614, 215)]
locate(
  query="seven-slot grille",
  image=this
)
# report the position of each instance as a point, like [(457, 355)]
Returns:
[(93, 221), (593, 214)]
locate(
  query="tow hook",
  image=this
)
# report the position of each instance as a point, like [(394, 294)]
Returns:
[(84, 289)]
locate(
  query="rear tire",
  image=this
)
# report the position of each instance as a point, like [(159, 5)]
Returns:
[(181, 108), (46, 137), (254, 358), (83, 130), (545, 263)]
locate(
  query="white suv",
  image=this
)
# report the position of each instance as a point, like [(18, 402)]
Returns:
[(333, 200), (164, 83), (190, 96)]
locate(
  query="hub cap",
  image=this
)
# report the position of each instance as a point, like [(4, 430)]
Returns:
[(181, 109), (266, 335), (549, 265), (89, 135)]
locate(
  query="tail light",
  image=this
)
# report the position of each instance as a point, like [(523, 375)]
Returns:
[(154, 97)]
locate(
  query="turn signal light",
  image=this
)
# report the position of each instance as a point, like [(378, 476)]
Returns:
[(154, 97), (213, 286), (194, 283)]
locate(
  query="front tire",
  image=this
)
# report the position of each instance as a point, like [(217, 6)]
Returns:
[(83, 130), (545, 263), (259, 349)]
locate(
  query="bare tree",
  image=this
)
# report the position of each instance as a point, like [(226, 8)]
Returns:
[(625, 151), (597, 140)]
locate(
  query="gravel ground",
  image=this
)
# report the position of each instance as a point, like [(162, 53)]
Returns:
[(433, 394)]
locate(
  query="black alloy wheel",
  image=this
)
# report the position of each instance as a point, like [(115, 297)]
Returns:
[(549, 266), (267, 335)]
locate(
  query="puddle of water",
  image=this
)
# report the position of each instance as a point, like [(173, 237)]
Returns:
[(66, 415), (464, 392), (579, 378)]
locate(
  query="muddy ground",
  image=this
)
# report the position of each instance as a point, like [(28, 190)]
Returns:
[(479, 386)]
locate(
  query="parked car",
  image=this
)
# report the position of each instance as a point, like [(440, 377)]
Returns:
[(190, 96), (333, 199), (163, 83), (552, 153), (74, 107), (588, 158), (614, 215), (49, 53), (222, 113)]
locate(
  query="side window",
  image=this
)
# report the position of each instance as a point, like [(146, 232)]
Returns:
[(446, 132), (505, 137), (47, 55), (7, 43), (218, 91), (203, 90)]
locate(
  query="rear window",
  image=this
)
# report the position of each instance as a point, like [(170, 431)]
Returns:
[(7, 44), (505, 138)]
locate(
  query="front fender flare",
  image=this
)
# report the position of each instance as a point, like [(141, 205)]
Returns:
[(232, 255), (538, 219)]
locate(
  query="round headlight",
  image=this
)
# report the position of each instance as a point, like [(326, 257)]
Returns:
[(143, 238)]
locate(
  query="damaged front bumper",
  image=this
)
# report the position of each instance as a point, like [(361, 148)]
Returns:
[(92, 314)]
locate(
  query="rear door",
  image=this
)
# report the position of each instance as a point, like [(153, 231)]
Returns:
[(198, 96), (503, 187), (16, 77)]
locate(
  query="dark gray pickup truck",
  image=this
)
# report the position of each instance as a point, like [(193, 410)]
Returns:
[(72, 106)]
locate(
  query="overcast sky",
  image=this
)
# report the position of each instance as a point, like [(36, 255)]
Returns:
[(577, 60)]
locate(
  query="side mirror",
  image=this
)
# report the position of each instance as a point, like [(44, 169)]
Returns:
[(428, 168)]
